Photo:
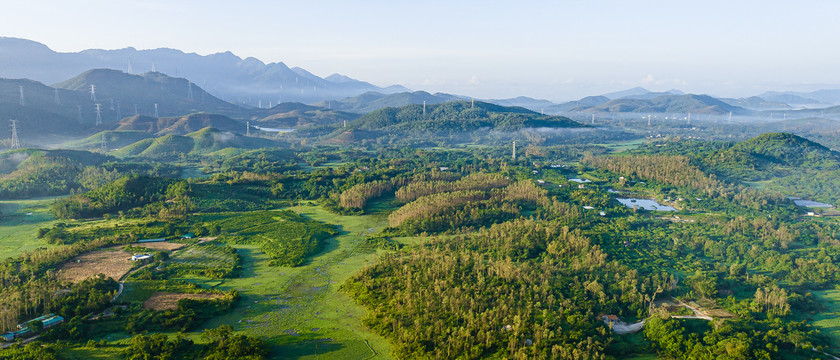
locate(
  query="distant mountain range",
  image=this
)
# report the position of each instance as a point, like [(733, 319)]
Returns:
[(248, 81)]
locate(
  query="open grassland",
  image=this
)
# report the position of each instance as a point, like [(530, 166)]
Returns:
[(113, 262), (828, 321), (300, 310), (169, 301), (19, 224)]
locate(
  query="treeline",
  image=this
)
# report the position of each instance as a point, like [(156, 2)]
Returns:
[(29, 285), (358, 195), (221, 343), (189, 314), (519, 290), (474, 181), (730, 340), (127, 193)]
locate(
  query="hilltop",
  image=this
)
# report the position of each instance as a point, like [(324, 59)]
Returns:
[(294, 115), (456, 122), (121, 94), (372, 101), (201, 142), (180, 125), (695, 104)]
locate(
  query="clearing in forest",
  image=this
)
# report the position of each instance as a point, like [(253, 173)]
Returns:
[(113, 262), (169, 301)]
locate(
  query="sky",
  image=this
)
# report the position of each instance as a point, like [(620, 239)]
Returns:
[(556, 50)]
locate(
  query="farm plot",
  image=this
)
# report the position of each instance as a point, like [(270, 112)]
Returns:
[(169, 301), (160, 246), (208, 257), (113, 262)]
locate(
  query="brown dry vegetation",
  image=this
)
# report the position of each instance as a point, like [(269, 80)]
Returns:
[(169, 301), (112, 262), (163, 245)]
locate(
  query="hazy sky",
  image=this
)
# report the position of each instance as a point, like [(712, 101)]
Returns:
[(556, 50)]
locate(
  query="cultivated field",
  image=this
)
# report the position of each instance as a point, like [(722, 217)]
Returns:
[(113, 262), (160, 246), (169, 301)]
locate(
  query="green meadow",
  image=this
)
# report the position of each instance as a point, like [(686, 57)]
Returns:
[(19, 224)]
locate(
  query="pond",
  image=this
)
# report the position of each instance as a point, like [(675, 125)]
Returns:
[(646, 204)]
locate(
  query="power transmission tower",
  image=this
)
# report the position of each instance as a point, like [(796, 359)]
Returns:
[(156, 111), (119, 113), (57, 100), (98, 114), (112, 104), (130, 70), (92, 92), (79, 107), (15, 141), (135, 110), (247, 128), (104, 144), (22, 102), (514, 151), (424, 108), (189, 90)]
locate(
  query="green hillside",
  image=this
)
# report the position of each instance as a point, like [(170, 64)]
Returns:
[(457, 117), (144, 91), (31, 172), (114, 139), (204, 141), (294, 115), (180, 124), (40, 115)]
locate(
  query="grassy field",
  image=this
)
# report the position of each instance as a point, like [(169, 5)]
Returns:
[(300, 310), (18, 231), (829, 321)]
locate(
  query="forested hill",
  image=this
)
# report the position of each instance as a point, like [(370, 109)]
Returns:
[(458, 116), (173, 96), (787, 149), (781, 162)]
